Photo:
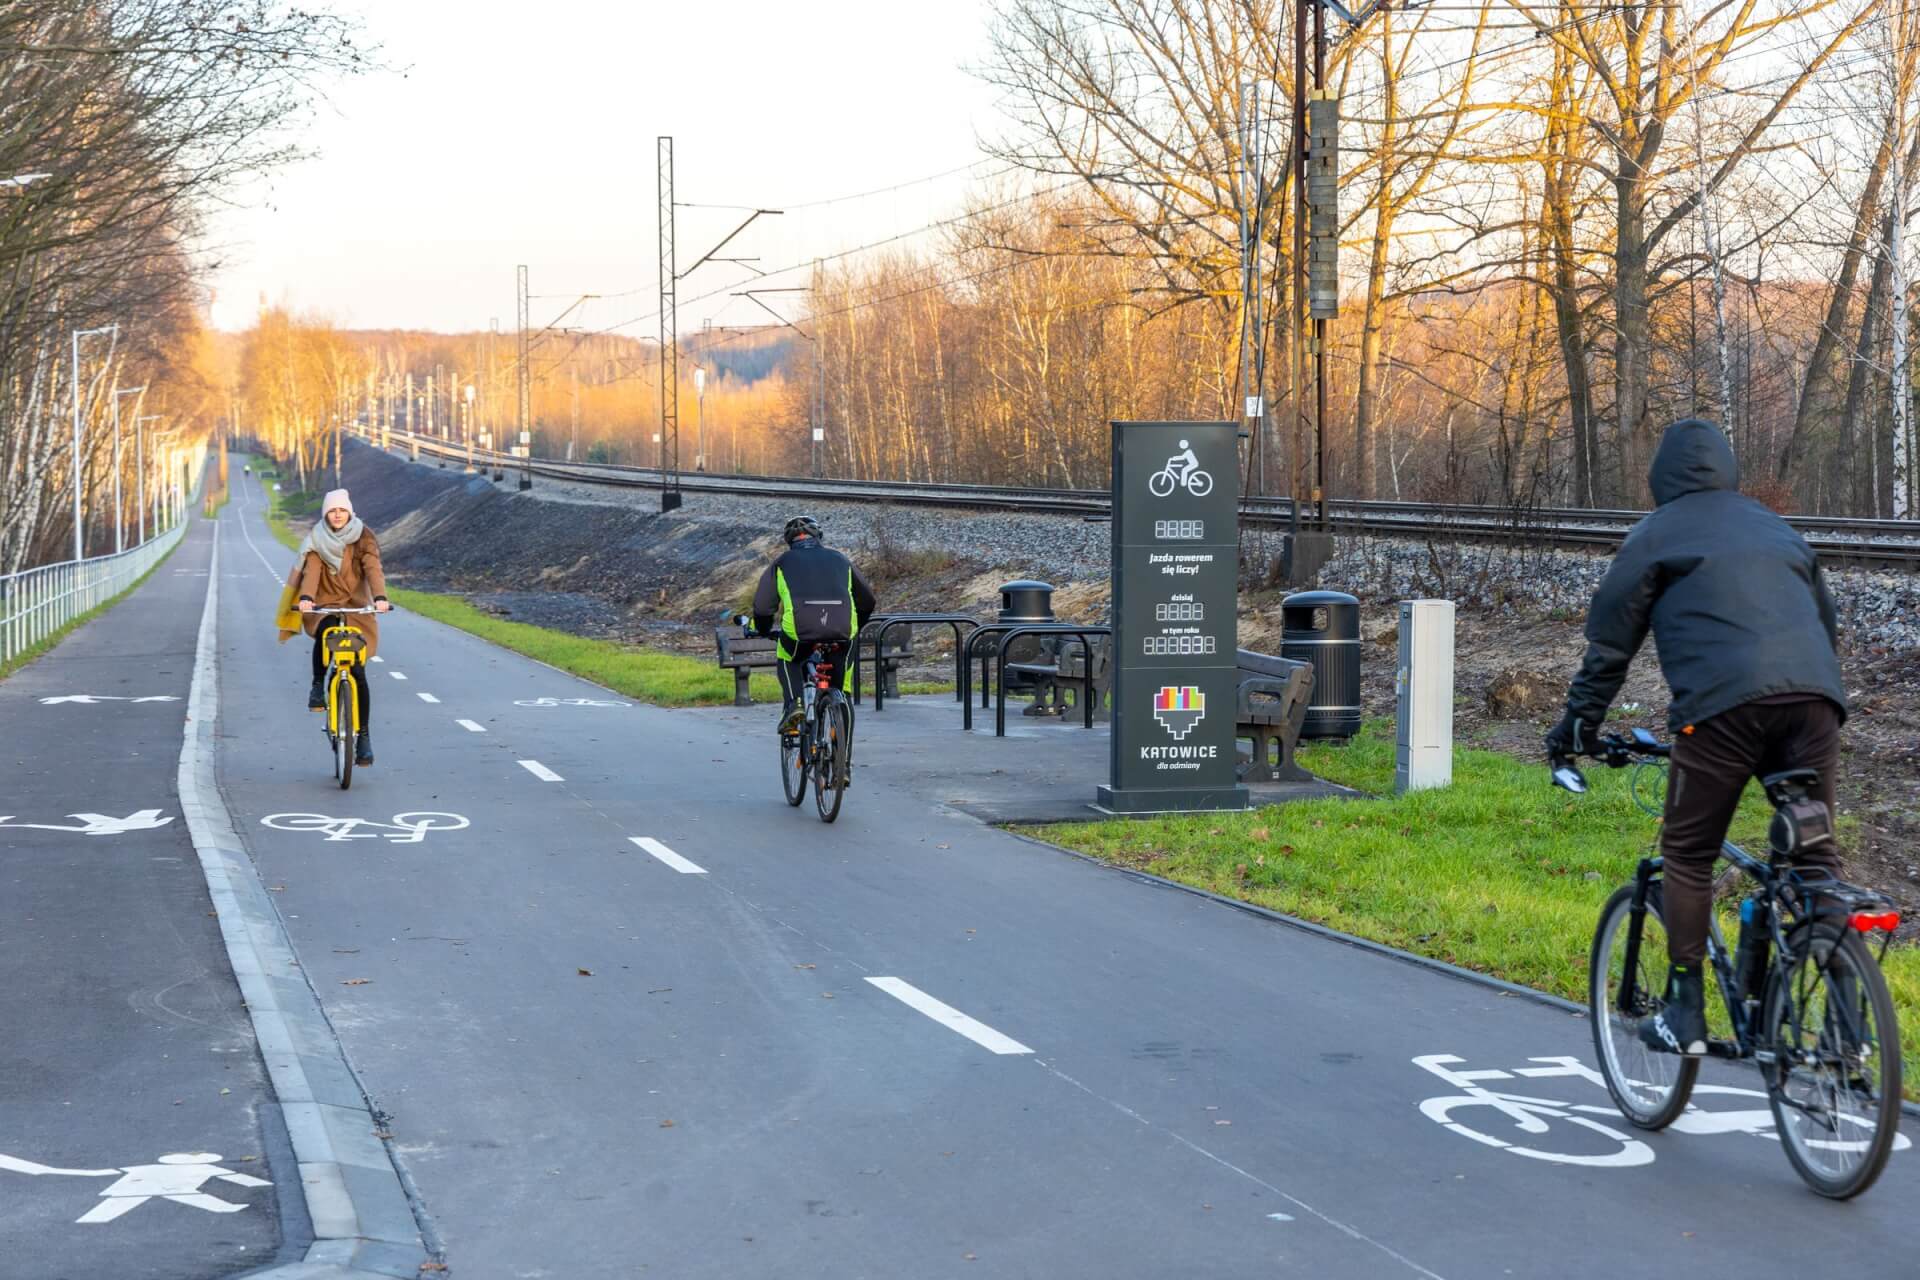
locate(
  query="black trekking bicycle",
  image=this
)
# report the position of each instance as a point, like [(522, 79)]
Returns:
[(1803, 990), (821, 750)]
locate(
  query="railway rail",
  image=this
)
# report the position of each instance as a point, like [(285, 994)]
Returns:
[(1862, 543)]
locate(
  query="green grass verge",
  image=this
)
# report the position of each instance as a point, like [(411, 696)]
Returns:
[(34, 651), (1499, 873)]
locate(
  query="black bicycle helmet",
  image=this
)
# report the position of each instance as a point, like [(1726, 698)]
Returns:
[(801, 526)]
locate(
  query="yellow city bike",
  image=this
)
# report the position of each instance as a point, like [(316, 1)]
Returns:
[(345, 646)]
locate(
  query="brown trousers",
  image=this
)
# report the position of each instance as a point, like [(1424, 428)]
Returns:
[(1710, 767)]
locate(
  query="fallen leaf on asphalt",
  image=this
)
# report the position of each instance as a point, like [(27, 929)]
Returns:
[(276, 888), (943, 846), (826, 995), (666, 1124), (356, 982), (655, 991), (585, 973), (225, 1092), (433, 1266), (382, 1134), (967, 1256), (806, 966), (346, 951)]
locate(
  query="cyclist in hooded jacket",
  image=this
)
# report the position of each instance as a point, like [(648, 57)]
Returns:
[(812, 595), (1746, 633)]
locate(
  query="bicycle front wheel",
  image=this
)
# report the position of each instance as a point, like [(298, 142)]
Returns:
[(344, 695), (1834, 1082), (794, 749), (830, 761), (1649, 1086)]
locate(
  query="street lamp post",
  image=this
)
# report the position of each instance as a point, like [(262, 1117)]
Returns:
[(140, 466), (79, 530), (119, 521)]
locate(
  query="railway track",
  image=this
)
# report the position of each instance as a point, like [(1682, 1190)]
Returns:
[(1878, 544)]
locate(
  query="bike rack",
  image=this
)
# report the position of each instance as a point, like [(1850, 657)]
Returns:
[(888, 621), (1009, 631)]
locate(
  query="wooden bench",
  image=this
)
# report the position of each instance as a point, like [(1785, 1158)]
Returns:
[(1272, 707), (741, 654), (886, 664), (1063, 672)]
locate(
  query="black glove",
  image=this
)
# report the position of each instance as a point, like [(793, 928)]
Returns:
[(1573, 736)]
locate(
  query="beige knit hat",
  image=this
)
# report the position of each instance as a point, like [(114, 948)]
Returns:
[(336, 498)]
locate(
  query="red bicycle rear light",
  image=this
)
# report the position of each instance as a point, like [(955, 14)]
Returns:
[(1868, 921)]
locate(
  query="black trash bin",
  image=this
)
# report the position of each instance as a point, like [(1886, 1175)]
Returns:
[(1323, 628), (1025, 601)]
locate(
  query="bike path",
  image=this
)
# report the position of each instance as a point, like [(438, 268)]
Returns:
[(1207, 1092), (128, 1066)]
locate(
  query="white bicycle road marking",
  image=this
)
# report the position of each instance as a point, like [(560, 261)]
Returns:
[(88, 699), (406, 828), (178, 1177), (668, 856), (97, 824), (567, 702), (470, 726), (1530, 1114), (949, 1017), (541, 771)]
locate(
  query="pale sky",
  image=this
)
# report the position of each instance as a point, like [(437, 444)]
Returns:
[(524, 132)]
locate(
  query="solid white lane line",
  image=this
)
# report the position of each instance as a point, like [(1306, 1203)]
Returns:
[(540, 771), (948, 1016), (668, 856), (398, 675), (470, 726), (426, 697)]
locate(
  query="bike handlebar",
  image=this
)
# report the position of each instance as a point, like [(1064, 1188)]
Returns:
[(329, 611), (1612, 750)]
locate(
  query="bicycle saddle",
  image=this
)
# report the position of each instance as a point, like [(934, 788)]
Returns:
[(1790, 784)]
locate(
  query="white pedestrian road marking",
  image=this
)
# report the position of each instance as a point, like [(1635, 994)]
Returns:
[(540, 771), (470, 726), (178, 1177), (88, 699), (98, 824), (948, 1016), (406, 828), (398, 675), (427, 697), (668, 856)]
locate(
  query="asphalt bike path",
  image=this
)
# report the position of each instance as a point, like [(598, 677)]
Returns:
[(138, 1134), (907, 1044)]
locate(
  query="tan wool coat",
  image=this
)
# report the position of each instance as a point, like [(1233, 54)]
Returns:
[(359, 580)]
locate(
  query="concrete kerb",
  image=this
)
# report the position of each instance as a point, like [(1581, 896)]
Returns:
[(1334, 935), (364, 1222)]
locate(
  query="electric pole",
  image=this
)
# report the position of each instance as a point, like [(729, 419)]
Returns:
[(669, 453), (526, 389)]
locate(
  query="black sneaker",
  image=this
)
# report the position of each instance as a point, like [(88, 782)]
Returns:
[(363, 748), (791, 722), (1681, 1025), (317, 696)]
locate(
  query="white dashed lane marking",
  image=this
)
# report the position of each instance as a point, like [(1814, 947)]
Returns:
[(470, 726), (378, 658), (397, 675), (668, 856), (426, 697), (540, 771), (949, 1017)]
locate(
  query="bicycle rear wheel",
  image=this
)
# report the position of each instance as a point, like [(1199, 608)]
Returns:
[(830, 761), (1650, 1087), (344, 695), (1835, 1080), (794, 750)]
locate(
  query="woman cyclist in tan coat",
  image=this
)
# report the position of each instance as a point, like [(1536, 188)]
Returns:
[(339, 567)]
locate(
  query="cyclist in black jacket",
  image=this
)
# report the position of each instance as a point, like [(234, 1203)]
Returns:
[(810, 596), (1746, 633)]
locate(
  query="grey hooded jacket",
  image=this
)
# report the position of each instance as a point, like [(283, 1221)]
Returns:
[(1734, 595)]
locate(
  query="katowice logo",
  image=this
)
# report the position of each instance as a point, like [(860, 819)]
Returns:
[(1179, 708)]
